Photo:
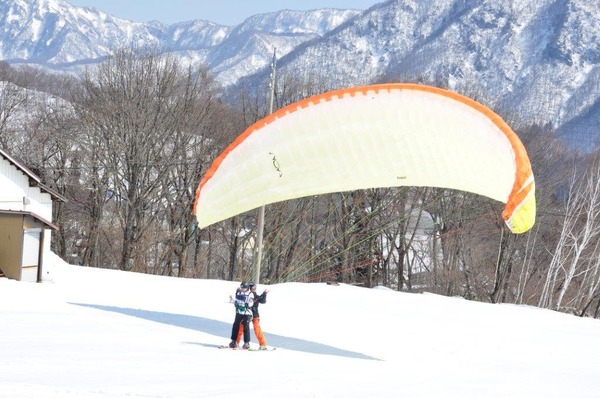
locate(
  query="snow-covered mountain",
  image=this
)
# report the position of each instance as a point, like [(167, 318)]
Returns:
[(55, 34), (536, 60)]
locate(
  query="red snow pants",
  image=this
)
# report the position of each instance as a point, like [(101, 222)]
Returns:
[(257, 331)]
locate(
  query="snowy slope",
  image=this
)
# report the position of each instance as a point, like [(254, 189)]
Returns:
[(55, 34), (537, 61), (100, 333)]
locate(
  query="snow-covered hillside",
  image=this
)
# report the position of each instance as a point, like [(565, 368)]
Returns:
[(100, 333), (535, 61), (55, 34)]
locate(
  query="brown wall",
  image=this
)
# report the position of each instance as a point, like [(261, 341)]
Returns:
[(11, 245)]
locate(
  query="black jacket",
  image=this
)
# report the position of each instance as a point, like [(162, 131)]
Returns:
[(258, 299)]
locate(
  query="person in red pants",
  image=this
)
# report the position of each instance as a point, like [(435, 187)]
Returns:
[(258, 299)]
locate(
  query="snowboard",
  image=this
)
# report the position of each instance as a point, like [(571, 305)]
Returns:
[(226, 347), (256, 349)]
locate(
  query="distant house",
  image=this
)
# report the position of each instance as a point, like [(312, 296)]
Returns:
[(25, 216)]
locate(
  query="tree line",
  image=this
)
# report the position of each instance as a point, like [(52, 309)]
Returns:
[(128, 141)]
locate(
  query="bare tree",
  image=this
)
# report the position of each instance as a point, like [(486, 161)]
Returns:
[(144, 115), (13, 104), (578, 239)]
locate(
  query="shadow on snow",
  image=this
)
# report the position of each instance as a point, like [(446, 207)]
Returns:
[(222, 329)]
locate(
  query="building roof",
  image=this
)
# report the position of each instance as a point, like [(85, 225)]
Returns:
[(33, 215), (34, 180)]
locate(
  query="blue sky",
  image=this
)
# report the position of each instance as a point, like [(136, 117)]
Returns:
[(226, 12)]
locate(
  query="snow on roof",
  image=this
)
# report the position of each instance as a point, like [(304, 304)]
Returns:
[(34, 180)]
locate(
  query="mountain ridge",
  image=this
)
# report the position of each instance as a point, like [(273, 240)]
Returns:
[(57, 35), (537, 59)]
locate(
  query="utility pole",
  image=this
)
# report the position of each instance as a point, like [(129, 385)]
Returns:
[(261, 211)]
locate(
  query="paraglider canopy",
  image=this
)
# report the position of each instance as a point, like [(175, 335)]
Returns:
[(371, 137)]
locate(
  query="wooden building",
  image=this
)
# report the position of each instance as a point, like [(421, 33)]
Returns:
[(25, 220)]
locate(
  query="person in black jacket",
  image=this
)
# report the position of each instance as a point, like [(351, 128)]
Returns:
[(258, 299)]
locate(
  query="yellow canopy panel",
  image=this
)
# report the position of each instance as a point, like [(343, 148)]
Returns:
[(371, 137)]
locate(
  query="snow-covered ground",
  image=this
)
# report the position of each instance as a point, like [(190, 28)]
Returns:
[(89, 333)]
